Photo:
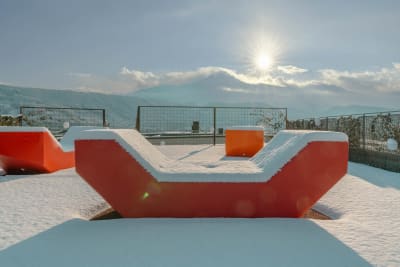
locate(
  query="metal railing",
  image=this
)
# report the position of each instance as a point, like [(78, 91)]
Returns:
[(206, 125), (369, 135), (58, 120)]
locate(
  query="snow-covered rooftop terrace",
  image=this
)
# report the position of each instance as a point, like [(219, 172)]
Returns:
[(44, 222)]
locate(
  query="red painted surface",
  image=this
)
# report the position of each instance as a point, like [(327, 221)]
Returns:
[(32, 152), (134, 192), (243, 143)]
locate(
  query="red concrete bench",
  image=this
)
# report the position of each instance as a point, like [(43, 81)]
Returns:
[(35, 149), (284, 179)]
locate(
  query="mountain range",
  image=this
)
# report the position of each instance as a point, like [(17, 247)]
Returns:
[(213, 90), (223, 89), (120, 110)]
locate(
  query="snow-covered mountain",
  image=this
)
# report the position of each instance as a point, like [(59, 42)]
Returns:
[(223, 89), (215, 89), (218, 89)]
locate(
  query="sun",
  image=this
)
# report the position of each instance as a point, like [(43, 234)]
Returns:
[(260, 51), (263, 61)]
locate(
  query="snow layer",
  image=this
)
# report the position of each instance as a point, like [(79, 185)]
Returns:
[(30, 204), (184, 242), (67, 142), (260, 168), (365, 206), (37, 226), (246, 128), (10, 129)]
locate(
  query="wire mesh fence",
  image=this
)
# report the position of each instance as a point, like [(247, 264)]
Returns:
[(203, 125), (58, 120), (374, 138), (369, 131)]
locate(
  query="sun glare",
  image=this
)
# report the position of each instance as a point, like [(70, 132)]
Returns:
[(263, 61), (262, 52)]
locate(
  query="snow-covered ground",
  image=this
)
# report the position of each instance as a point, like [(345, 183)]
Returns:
[(44, 222)]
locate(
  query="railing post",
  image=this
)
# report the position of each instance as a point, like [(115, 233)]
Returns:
[(22, 116), (364, 129), (327, 123), (138, 119), (215, 125), (286, 119), (104, 118)]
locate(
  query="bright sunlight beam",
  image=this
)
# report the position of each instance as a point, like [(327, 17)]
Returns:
[(263, 61), (261, 52)]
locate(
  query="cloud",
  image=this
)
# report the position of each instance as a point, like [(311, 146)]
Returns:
[(303, 83), (140, 79), (130, 80), (6, 83), (290, 69), (187, 76), (136, 74), (143, 80), (238, 90), (79, 74), (309, 92), (380, 87), (383, 80)]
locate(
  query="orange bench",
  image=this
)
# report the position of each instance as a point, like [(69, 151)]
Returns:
[(35, 149), (244, 141), (284, 179)]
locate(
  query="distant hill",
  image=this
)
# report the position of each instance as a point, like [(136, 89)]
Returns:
[(222, 89), (214, 90), (120, 110), (218, 89)]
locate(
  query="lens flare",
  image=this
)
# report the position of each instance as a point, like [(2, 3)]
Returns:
[(145, 195)]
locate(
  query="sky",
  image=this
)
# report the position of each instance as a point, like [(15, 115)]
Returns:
[(123, 46)]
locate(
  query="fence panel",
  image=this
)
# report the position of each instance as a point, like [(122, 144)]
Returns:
[(273, 120), (58, 120), (379, 128), (203, 125), (369, 136), (175, 124)]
